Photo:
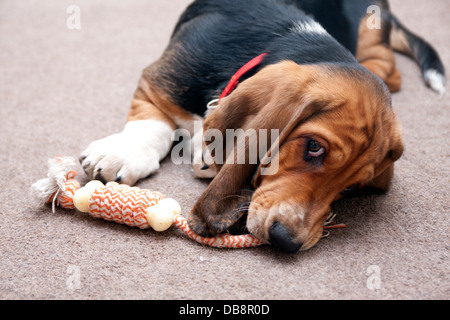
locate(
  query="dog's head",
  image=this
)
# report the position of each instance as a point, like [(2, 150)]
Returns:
[(337, 133)]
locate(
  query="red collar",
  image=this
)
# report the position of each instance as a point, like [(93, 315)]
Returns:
[(235, 79), (245, 68)]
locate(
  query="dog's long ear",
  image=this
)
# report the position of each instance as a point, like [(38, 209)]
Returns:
[(275, 98), (385, 170)]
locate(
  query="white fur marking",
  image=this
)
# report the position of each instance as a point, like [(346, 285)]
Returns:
[(130, 155), (155, 134), (290, 210), (435, 80), (310, 26)]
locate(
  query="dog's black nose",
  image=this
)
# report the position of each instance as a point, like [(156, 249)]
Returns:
[(280, 238)]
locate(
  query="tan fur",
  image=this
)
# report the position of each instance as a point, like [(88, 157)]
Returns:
[(144, 110), (377, 57), (151, 101), (351, 118), (399, 41)]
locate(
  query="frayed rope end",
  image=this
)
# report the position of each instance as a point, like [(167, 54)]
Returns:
[(47, 190)]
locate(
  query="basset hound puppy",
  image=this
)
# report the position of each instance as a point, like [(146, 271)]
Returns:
[(322, 80)]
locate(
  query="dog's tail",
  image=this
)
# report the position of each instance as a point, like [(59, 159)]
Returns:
[(404, 41)]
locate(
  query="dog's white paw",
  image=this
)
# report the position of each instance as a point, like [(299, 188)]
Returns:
[(116, 158), (203, 163), (203, 170), (128, 156)]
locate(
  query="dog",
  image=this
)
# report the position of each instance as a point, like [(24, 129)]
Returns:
[(323, 80)]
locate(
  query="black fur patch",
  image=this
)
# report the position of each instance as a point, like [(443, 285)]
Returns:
[(214, 38)]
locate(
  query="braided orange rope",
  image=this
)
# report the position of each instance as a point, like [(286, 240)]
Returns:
[(128, 205), (219, 241), (123, 204)]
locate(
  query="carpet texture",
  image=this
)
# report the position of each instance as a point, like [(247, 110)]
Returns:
[(61, 89)]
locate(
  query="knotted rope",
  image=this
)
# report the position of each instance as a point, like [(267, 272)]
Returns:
[(128, 205), (122, 204)]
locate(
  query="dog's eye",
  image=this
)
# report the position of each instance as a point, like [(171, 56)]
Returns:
[(349, 190), (314, 149), (314, 152)]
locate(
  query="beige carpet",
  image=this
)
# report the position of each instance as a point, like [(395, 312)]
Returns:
[(60, 89)]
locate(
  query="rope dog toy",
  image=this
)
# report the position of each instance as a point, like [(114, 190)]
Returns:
[(127, 205), (123, 204)]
